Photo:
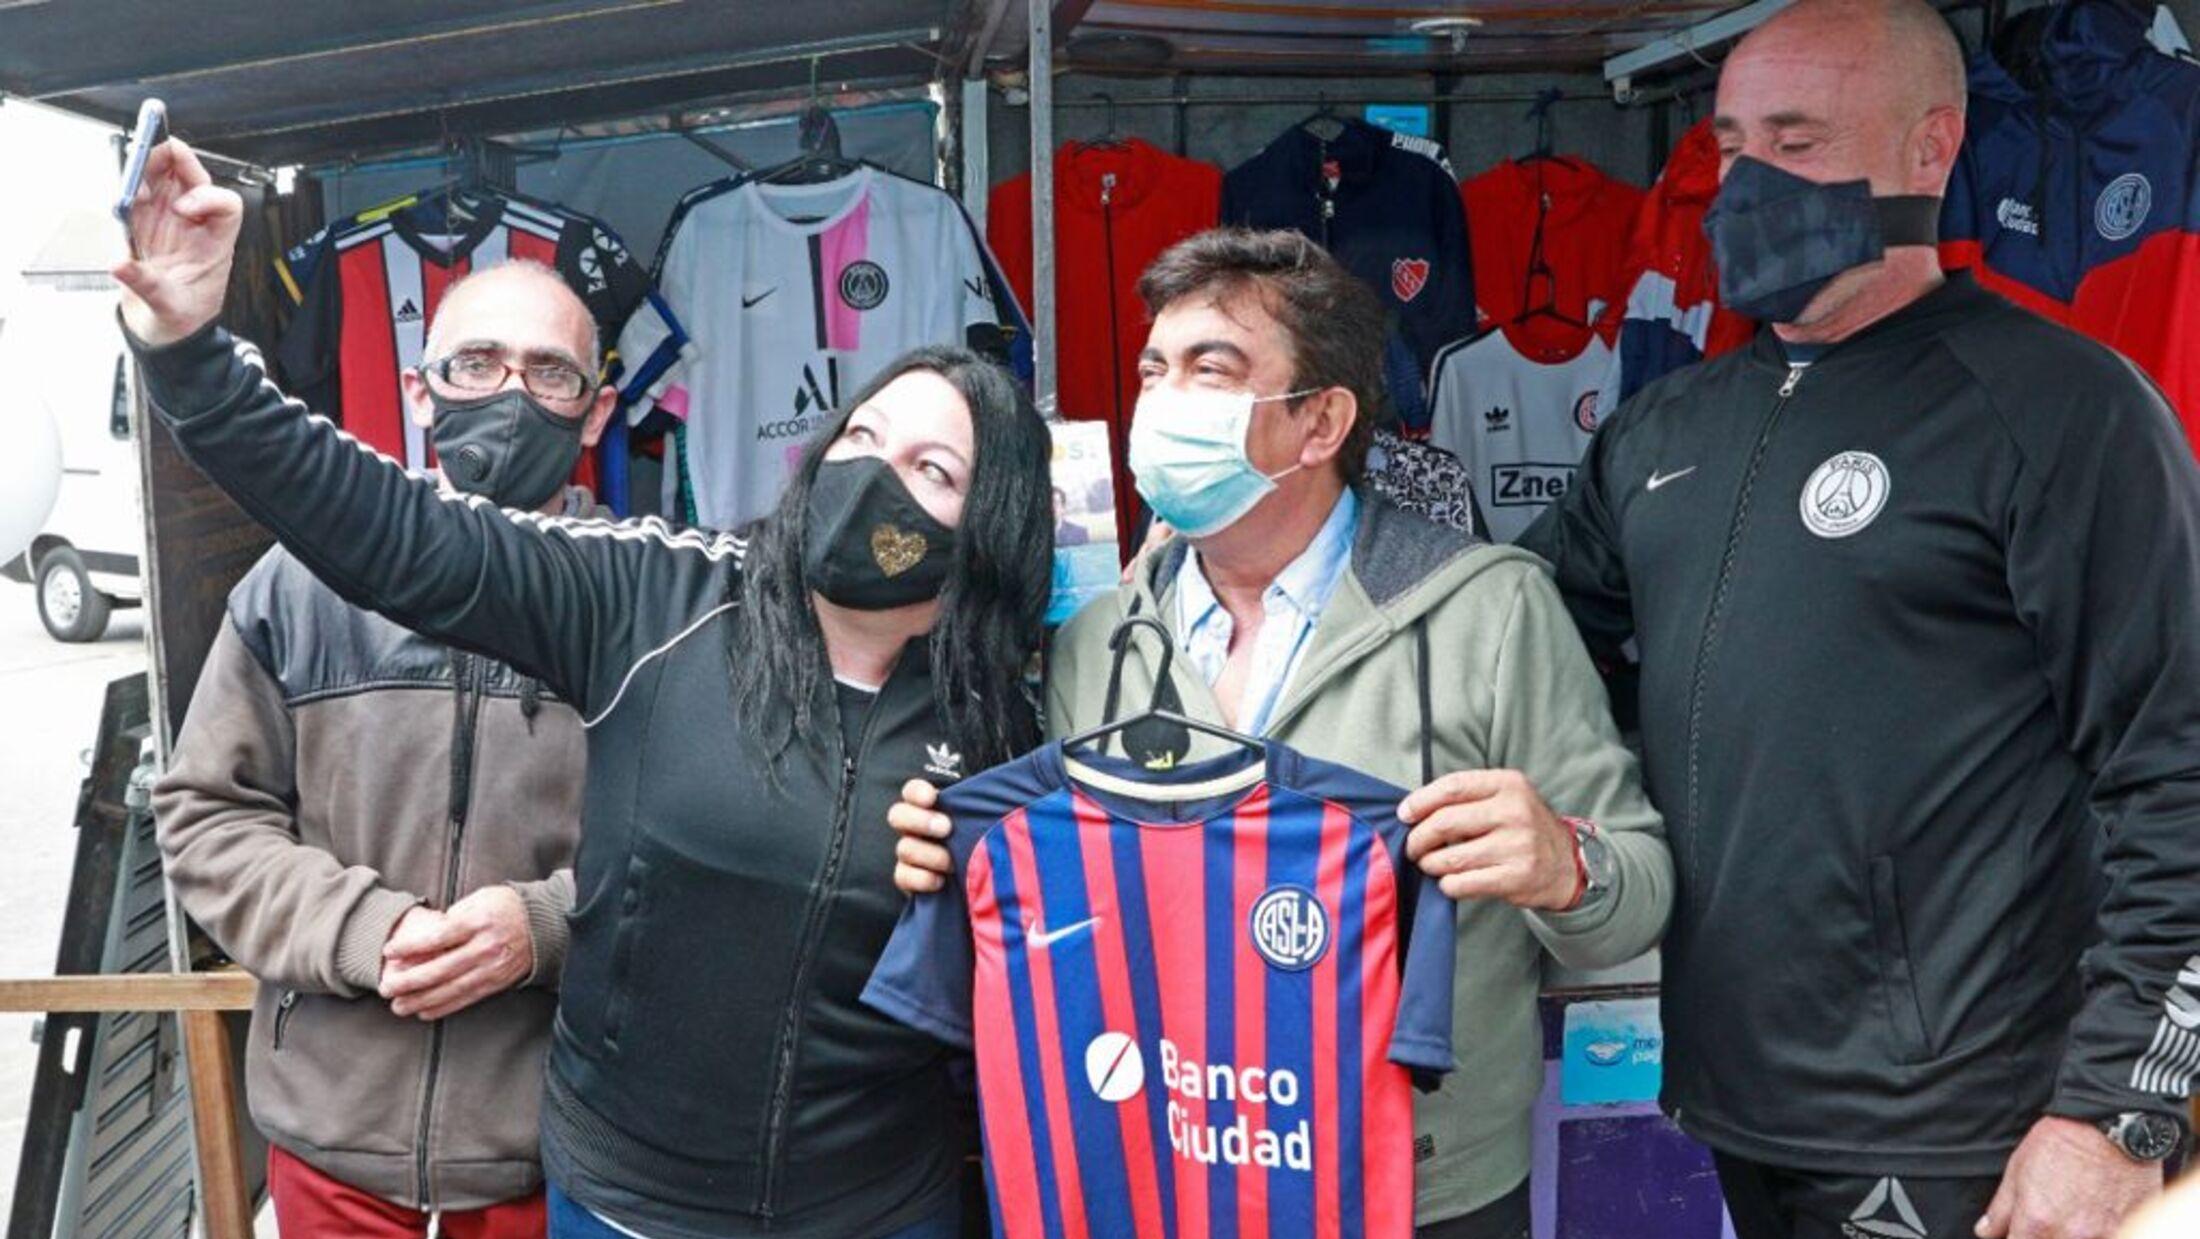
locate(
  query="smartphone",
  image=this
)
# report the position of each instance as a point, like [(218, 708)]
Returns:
[(152, 130)]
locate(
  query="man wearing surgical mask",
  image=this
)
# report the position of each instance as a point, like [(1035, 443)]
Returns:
[(1913, 579), (382, 828), (1310, 611)]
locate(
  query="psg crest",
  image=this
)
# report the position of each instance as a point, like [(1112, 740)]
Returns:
[(863, 284), (1290, 928), (1845, 494)]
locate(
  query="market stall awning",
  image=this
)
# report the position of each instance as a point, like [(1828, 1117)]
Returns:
[(1362, 36), (275, 81)]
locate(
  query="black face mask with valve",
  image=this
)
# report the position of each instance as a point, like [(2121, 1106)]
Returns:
[(868, 544), (505, 447), (1778, 239)]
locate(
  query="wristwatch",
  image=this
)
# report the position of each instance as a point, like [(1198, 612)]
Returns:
[(1592, 860), (2142, 1135)]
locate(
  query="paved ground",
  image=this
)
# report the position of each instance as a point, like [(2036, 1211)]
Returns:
[(49, 715)]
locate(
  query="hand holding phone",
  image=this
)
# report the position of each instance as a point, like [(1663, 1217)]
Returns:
[(152, 129), (184, 231)]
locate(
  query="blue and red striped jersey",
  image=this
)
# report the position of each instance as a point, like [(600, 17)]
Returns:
[(1195, 996)]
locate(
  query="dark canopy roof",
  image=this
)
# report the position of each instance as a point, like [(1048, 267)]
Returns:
[(279, 81), (302, 81)]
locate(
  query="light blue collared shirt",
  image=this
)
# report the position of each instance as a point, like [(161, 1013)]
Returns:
[(1292, 605)]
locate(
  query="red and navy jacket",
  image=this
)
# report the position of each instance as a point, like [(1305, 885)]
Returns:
[(1195, 996), (2077, 191), (1386, 206)]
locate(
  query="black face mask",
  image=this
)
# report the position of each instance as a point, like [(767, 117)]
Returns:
[(1779, 239), (506, 447), (868, 544)]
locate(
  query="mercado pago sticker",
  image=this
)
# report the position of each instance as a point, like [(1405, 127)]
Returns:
[(1613, 1053)]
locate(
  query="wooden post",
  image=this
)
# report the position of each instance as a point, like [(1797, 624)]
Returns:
[(198, 999), (227, 1210)]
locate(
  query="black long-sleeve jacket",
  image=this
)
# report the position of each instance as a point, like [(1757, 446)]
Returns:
[(1919, 626), (712, 1070)]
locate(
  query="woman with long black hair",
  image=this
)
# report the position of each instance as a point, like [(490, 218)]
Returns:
[(753, 703)]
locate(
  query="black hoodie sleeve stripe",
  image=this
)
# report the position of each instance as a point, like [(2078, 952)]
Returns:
[(572, 603)]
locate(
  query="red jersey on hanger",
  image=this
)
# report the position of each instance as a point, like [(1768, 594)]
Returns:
[(1584, 235), (1115, 209)]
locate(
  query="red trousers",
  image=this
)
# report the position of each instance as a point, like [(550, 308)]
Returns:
[(311, 1205)]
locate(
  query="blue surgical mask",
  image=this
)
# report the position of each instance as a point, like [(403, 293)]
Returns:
[(1188, 455)]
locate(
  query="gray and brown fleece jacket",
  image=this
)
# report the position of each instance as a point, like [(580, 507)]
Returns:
[(335, 770)]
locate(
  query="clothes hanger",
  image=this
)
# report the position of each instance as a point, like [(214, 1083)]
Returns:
[(1324, 124), (1540, 113), (818, 135), (1119, 642), (1548, 307), (1110, 137), (1539, 267)]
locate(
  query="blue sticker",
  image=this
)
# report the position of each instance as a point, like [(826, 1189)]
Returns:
[(1614, 1053), (1412, 118)]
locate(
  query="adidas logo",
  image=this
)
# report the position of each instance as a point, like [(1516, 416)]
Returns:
[(943, 761), (1498, 418), (408, 312), (1885, 1214)]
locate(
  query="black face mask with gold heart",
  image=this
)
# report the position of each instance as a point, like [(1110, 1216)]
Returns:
[(869, 544)]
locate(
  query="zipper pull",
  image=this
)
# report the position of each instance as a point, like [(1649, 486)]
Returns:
[(1795, 375), (282, 1016), (1107, 188)]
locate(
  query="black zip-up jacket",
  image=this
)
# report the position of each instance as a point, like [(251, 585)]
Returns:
[(712, 1070), (1920, 639)]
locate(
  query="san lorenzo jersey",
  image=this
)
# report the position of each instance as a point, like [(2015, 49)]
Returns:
[(795, 295), (1194, 997)]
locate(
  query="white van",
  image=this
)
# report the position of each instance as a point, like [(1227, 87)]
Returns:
[(84, 561)]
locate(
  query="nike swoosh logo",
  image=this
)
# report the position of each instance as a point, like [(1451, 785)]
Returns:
[(1657, 479), (1043, 940), (749, 303)]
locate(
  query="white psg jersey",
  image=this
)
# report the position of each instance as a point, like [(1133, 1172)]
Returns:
[(792, 297), (1518, 405)]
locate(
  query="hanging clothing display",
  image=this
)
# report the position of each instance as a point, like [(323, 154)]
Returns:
[(367, 287), (1117, 205), (1195, 996), (792, 297), (2077, 191), (1671, 316), (1384, 204), (1425, 480), (1567, 209), (1518, 405)]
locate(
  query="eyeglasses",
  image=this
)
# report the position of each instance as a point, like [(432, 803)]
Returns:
[(484, 370)]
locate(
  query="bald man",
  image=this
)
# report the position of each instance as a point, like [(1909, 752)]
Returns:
[(1913, 580), (382, 829)]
